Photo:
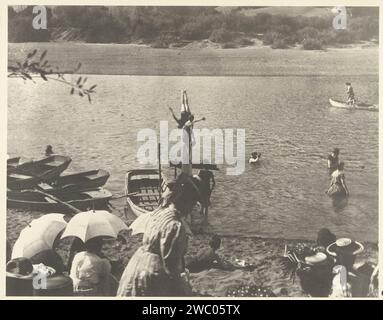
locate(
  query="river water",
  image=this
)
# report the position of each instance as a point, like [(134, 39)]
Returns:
[(286, 118)]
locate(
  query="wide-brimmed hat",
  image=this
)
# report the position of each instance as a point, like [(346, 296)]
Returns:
[(316, 259), (345, 246), (20, 268)]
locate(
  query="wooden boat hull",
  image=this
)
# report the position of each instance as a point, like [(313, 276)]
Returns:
[(78, 181), (358, 106), (29, 174), (147, 183), (34, 201)]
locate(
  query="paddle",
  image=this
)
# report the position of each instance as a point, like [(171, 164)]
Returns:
[(72, 208), (127, 195)]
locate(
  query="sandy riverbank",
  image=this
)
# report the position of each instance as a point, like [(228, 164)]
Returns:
[(263, 253), (195, 61)]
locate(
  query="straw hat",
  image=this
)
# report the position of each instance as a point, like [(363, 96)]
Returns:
[(316, 259), (345, 246), (20, 268)]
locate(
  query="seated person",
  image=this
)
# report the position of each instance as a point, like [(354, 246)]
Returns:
[(206, 258), (50, 257), (313, 267), (91, 274)]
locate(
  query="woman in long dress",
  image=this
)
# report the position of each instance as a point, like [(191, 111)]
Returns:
[(338, 186), (157, 268)]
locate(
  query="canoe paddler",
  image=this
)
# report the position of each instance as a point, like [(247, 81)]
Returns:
[(350, 94)]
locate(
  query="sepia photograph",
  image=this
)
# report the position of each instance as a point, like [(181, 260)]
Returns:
[(192, 151)]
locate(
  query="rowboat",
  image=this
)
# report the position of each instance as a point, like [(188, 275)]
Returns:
[(357, 106), (13, 163), (148, 186), (29, 174), (36, 201), (77, 182)]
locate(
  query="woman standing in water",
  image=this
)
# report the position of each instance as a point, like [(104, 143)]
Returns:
[(157, 268), (338, 186)]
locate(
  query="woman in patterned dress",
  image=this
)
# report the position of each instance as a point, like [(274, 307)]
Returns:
[(157, 268)]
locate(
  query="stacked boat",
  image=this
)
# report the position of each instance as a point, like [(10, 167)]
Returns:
[(40, 185)]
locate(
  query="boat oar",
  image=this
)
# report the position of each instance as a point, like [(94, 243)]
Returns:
[(72, 208), (125, 195)]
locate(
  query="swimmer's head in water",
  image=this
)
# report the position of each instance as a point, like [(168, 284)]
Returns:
[(341, 165), (191, 117), (348, 84), (215, 242), (48, 150)]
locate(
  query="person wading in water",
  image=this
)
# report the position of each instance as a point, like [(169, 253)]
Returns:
[(333, 160)]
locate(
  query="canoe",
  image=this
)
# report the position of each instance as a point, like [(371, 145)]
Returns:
[(87, 180), (35, 201), (147, 184), (29, 174), (358, 106)]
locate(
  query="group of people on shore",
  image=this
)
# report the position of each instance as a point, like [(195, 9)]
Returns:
[(328, 268), (87, 271)]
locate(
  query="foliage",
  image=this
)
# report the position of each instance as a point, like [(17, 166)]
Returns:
[(34, 65), (221, 36), (102, 24), (311, 44)]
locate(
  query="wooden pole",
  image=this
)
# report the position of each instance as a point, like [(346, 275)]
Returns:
[(187, 167), (159, 169)]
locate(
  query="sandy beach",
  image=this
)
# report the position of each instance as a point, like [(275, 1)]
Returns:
[(265, 254)]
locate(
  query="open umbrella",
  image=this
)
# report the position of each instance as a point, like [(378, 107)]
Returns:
[(140, 223), (39, 235), (95, 223)]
